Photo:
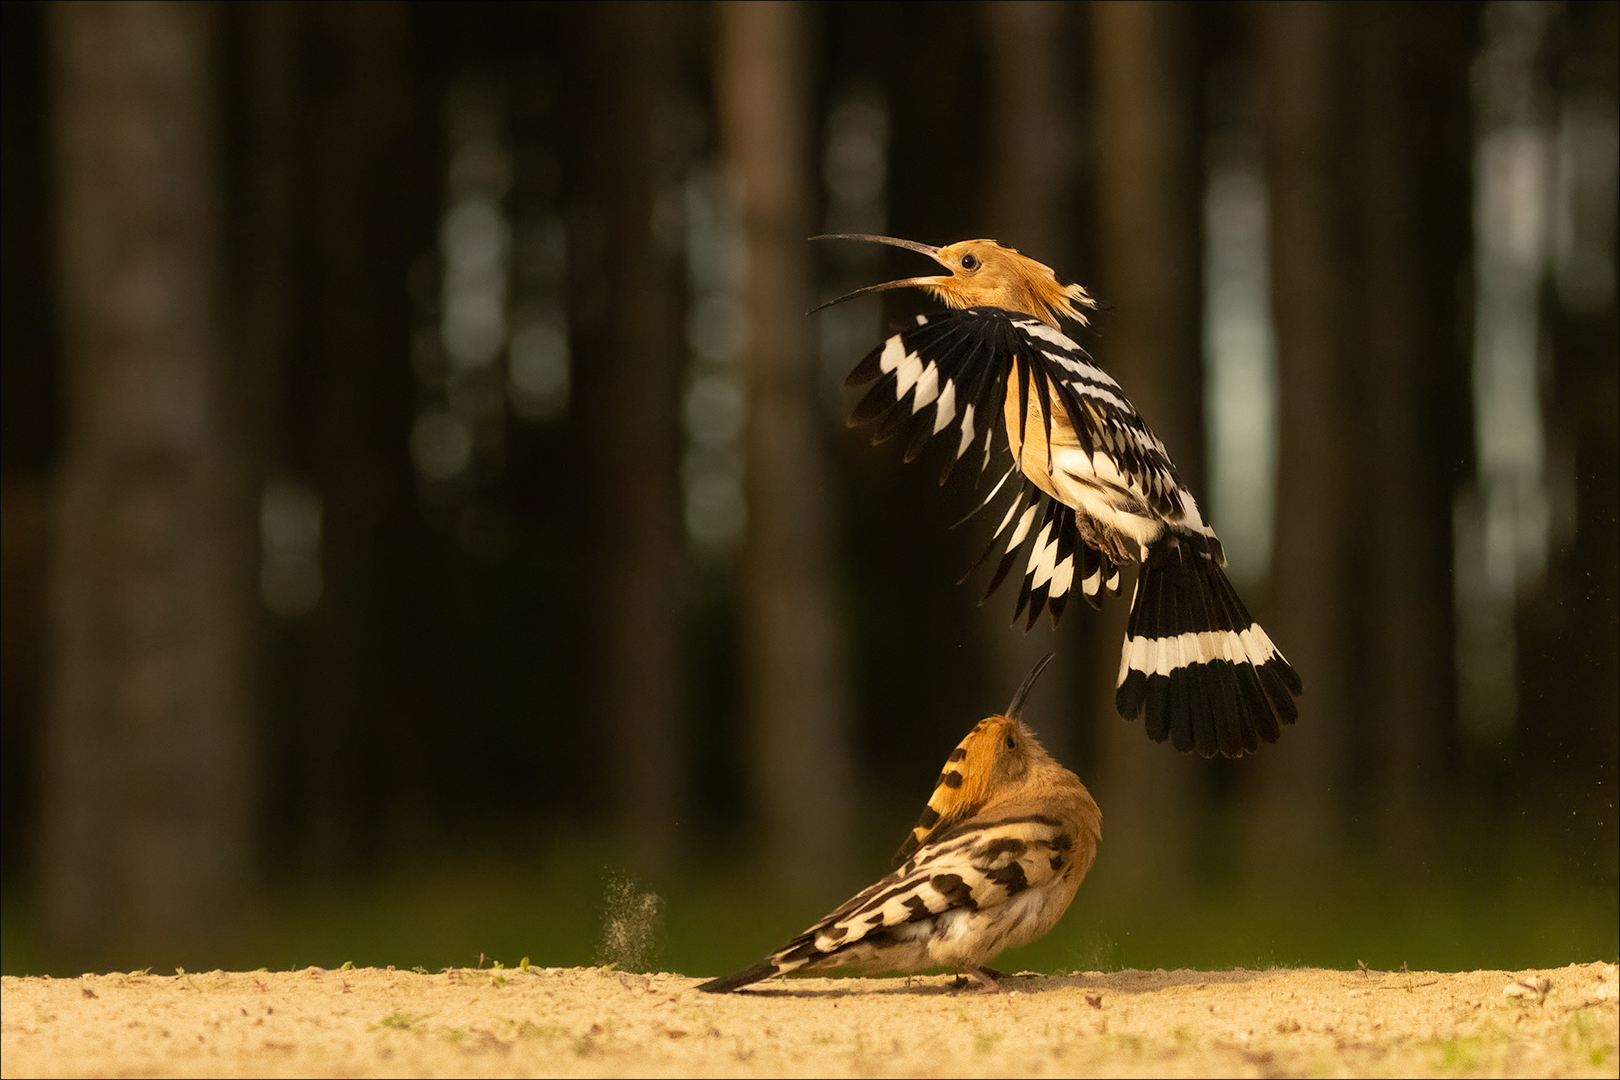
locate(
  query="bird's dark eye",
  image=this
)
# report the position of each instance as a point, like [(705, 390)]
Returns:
[(1010, 743), (970, 261)]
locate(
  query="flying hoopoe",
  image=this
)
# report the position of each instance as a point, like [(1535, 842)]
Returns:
[(1097, 490), (999, 851)]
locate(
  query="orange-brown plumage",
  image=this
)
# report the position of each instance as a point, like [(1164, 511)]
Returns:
[(993, 864)]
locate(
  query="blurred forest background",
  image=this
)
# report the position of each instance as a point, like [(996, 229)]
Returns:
[(430, 527)]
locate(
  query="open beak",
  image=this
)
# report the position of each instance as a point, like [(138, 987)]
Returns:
[(911, 245)]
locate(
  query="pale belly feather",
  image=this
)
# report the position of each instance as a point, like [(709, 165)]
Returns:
[(1091, 485)]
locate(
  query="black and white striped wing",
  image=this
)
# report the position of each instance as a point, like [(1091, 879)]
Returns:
[(1124, 451), (1058, 559), (947, 377), (943, 379), (977, 865)]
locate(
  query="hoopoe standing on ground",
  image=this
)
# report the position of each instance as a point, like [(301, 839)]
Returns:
[(1097, 491), (999, 851)]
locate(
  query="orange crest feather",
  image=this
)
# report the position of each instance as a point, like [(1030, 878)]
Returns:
[(963, 785)]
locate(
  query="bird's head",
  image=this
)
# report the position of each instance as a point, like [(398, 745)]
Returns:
[(984, 274), (997, 759)]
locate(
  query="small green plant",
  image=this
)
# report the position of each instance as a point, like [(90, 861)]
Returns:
[(1461, 1054), (1127, 1041), (1583, 1038)]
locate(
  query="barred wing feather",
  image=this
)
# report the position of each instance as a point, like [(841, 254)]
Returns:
[(934, 380), (946, 379), (976, 865)]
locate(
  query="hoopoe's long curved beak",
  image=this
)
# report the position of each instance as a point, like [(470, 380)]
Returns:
[(906, 283), (1017, 707)]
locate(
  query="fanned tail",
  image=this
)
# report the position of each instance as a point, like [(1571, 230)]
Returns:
[(1196, 667)]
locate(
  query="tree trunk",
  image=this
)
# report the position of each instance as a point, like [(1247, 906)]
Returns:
[(374, 699), (145, 846), (630, 408), (1569, 635), (263, 317), (1148, 168), (797, 682), (1413, 239), (1312, 281)]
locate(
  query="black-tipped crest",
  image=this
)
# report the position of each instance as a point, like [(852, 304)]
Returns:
[(1017, 707)]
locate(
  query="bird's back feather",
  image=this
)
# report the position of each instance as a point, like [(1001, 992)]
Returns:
[(1003, 845)]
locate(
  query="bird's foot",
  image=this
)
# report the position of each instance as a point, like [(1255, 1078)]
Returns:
[(984, 979)]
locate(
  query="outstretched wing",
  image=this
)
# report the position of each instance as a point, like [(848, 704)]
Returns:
[(1059, 558), (1123, 449), (947, 378), (982, 863), (943, 377)]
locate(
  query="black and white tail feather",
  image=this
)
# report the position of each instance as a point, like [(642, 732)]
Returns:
[(1088, 495)]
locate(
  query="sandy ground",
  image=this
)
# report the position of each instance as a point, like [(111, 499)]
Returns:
[(594, 1022)]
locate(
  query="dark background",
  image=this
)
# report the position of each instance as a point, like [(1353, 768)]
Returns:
[(336, 631)]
